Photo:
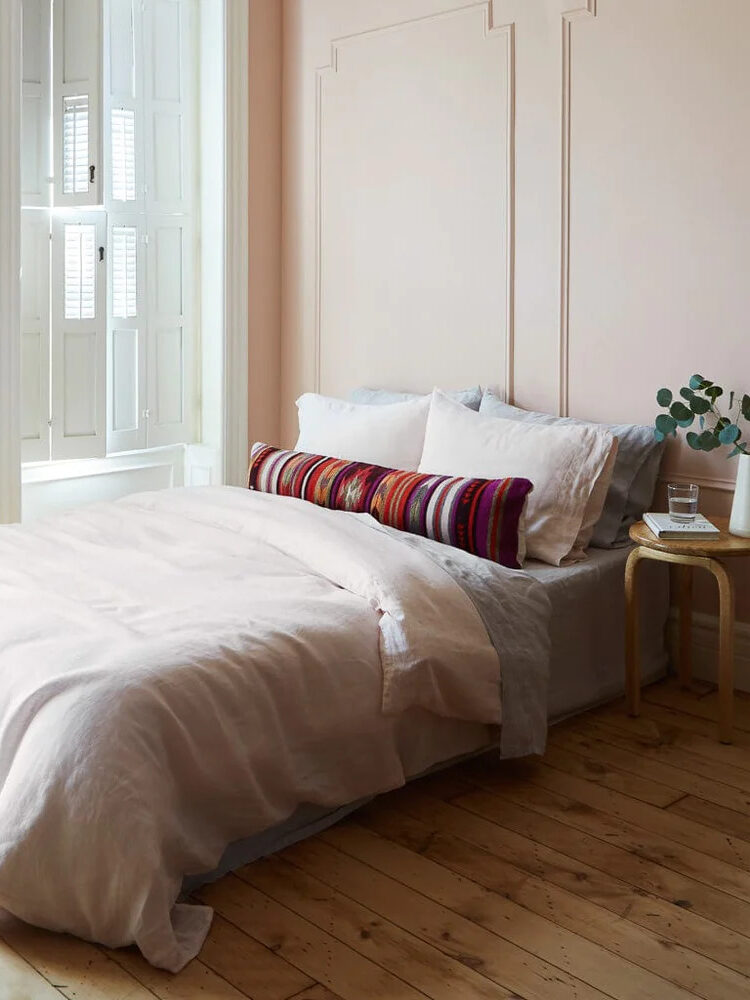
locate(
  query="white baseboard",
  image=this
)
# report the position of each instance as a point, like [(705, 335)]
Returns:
[(706, 645)]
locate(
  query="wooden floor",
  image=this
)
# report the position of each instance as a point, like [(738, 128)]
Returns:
[(617, 866)]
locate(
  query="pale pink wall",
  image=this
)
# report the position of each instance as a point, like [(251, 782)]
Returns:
[(626, 220), (265, 62), (660, 220)]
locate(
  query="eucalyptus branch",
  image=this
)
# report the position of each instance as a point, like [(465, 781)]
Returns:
[(699, 399)]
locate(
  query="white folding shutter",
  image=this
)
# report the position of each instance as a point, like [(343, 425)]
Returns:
[(170, 350), (126, 337), (35, 145), (76, 51), (123, 107), (35, 263), (168, 90), (169, 100), (78, 336)]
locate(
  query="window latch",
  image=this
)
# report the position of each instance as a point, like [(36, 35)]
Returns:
[(101, 253), (92, 172)]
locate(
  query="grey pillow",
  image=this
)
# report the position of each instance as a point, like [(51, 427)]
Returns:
[(377, 397), (633, 478)]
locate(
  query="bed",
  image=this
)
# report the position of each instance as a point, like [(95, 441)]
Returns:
[(187, 667), (587, 668), (196, 677)]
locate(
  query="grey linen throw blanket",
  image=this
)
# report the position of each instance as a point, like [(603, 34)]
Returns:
[(516, 612)]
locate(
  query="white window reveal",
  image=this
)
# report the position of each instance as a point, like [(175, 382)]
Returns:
[(122, 125)]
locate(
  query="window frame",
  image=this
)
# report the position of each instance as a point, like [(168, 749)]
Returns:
[(233, 441)]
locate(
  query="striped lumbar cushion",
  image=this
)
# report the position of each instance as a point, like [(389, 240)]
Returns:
[(481, 516)]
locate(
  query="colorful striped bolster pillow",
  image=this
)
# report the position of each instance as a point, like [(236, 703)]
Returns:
[(481, 516)]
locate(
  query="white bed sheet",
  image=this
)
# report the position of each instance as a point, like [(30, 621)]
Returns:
[(588, 628)]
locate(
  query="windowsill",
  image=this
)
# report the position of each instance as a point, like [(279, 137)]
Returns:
[(48, 472)]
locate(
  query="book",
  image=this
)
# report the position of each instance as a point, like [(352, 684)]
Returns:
[(663, 526)]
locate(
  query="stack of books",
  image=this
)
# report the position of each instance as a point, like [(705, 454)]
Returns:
[(663, 526)]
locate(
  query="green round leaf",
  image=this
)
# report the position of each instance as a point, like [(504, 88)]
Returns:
[(695, 381), (680, 412), (658, 436), (664, 397), (745, 406), (687, 393), (699, 405), (713, 392), (665, 423), (729, 434), (707, 441), (693, 440)]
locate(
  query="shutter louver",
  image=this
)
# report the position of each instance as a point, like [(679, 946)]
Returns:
[(80, 272), (76, 144), (123, 154), (124, 272)]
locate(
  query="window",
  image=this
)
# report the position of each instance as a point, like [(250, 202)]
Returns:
[(108, 276)]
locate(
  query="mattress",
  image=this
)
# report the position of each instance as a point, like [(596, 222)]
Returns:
[(587, 668), (588, 627)]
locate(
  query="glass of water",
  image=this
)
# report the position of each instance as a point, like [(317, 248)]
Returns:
[(683, 501)]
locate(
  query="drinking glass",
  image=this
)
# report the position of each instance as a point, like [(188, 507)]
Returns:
[(683, 501)]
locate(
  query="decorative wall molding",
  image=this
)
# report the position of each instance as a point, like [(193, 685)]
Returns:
[(706, 644), (489, 28), (569, 18), (10, 259), (236, 251)]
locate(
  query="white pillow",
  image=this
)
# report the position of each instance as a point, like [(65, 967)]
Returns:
[(380, 397), (381, 435), (569, 465)]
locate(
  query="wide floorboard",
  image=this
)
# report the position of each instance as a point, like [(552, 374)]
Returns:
[(616, 866)]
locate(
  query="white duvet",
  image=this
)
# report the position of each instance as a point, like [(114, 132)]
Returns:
[(177, 671)]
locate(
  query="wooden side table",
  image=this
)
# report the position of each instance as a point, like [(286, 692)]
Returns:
[(686, 554)]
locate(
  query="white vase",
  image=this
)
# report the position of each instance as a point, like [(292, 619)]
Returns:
[(739, 522)]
